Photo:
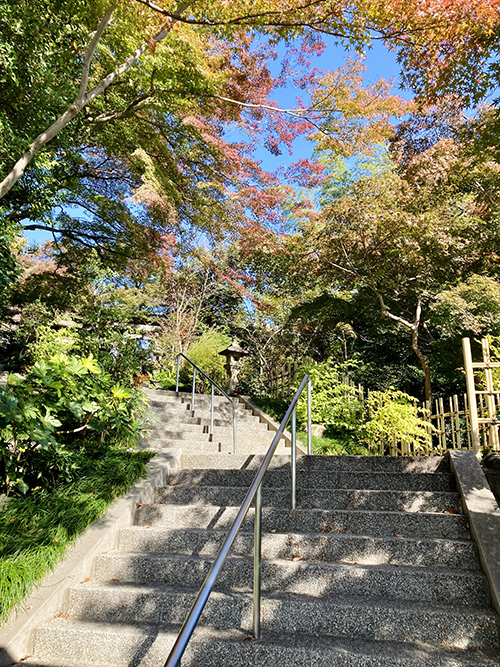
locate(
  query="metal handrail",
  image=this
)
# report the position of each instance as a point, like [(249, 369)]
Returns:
[(214, 386), (191, 621)]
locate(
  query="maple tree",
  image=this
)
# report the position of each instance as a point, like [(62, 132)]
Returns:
[(96, 77)]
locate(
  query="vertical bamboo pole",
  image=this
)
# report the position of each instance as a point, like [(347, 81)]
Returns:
[(443, 425), (456, 417), (471, 394), (452, 424), (468, 428), (493, 431)]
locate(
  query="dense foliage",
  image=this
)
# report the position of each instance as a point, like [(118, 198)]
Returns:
[(47, 413)]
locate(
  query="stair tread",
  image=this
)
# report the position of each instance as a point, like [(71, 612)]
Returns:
[(281, 638), (330, 599)]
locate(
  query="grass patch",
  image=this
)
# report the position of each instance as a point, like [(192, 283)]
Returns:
[(36, 531), (334, 446)]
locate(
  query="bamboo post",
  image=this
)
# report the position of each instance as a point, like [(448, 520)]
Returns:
[(493, 431), (471, 394), (456, 411), (468, 428)]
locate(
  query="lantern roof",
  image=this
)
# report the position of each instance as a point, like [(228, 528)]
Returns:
[(234, 350)]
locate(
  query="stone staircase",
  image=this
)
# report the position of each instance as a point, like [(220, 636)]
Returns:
[(174, 425), (374, 568)]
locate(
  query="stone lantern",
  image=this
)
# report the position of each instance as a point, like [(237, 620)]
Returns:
[(233, 355)]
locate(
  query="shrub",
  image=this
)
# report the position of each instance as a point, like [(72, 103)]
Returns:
[(383, 418), (393, 417), (47, 411), (334, 404), (204, 352)]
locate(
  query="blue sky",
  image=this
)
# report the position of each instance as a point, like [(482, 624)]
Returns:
[(379, 62)]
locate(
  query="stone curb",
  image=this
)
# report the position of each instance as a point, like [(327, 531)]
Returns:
[(51, 595), (482, 510)]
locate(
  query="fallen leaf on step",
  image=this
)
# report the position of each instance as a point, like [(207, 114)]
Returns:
[(398, 535), (296, 558), (115, 580), (145, 526), (173, 483), (143, 583), (85, 580), (451, 512), (248, 639)]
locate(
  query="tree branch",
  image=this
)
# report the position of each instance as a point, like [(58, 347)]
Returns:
[(83, 98)]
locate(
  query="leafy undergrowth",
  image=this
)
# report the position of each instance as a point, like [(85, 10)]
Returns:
[(36, 530), (345, 446)]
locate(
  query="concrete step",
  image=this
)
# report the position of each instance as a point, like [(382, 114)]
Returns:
[(203, 419), (356, 549), (183, 431), (146, 646), (343, 499), (354, 522), (245, 447), (338, 464), (336, 616), (326, 478), (159, 400), (316, 578)]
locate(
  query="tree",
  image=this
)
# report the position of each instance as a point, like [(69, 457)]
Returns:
[(102, 47), (404, 237)]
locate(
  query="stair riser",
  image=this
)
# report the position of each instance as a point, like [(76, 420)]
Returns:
[(336, 464), (203, 405), (219, 435), (389, 501), (247, 447), (204, 420), (308, 521), (306, 578), (332, 548)]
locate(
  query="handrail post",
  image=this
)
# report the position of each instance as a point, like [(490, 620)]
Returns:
[(294, 459), (257, 562), (212, 413), (177, 380), (309, 419), (234, 429), (194, 386)]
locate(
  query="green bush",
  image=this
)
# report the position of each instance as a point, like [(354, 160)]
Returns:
[(353, 424), (334, 404), (204, 352), (53, 406), (393, 417)]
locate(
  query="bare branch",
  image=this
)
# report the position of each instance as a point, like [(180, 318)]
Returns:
[(296, 113)]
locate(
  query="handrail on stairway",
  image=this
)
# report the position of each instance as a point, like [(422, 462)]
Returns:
[(255, 491), (214, 386)]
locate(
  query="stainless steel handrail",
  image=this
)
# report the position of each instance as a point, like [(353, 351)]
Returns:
[(191, 621), (214, 385)]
